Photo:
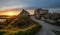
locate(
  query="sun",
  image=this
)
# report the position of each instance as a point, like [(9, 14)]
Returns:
[(10, 13)]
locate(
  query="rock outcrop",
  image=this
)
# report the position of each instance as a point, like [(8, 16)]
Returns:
[(21, 19)]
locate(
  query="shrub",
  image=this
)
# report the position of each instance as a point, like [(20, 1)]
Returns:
[(2, 32), (57, 32)]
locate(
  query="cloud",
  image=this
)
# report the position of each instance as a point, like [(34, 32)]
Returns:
[(31, 3)]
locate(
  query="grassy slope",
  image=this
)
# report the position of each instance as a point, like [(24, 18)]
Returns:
[(29, 30)]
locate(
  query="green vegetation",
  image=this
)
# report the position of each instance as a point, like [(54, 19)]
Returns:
[(28, 32), (53, 22), (21, 26), (57, 23), (2, 32), (57, 32)]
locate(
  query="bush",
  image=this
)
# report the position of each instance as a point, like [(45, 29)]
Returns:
[(57, 32), (2, 32), (32, 31)]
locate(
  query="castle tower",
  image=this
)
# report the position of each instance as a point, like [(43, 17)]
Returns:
[(37, 13)]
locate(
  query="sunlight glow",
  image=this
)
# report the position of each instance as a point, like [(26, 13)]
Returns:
[(10, 13)]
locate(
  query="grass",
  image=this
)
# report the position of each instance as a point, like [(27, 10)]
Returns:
[(2, 32), (17, 31), (21, 26)]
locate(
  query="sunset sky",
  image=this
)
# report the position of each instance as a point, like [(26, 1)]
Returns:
[(14, 12), (9, 13), (31, 4)]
